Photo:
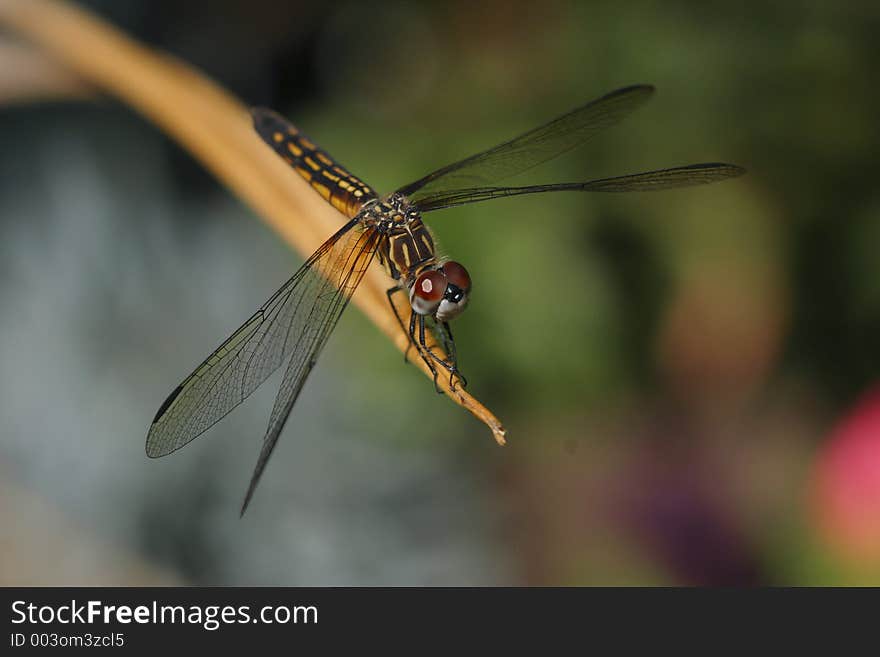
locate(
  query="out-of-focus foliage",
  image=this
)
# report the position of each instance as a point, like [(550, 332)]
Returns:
[(669, 366)]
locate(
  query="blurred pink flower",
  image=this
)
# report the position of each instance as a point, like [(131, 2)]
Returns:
[(845, 491)]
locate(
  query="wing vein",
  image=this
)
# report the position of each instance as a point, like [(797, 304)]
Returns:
[(321, 319), (248, 357)]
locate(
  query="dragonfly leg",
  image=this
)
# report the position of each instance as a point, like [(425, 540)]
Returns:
[(449, 345), (390, 293), (420, 345), (426, 351)]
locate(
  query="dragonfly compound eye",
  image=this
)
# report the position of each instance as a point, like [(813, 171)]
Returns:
[(427, 292), (457, 275)]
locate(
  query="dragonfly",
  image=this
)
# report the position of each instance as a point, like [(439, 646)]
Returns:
[(295, 323)]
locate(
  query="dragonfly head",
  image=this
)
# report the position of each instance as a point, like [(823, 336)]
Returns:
[(441, 292)]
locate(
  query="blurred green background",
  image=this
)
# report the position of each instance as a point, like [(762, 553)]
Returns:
[(676, 370)]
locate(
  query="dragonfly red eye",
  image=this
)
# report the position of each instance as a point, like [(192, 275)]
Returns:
[(430, 286), (427, 292), (457, 275)]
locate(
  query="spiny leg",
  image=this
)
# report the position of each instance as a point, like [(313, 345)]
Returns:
[(445, 334), (449, 345), (425, 349), (420, 347), (389, 293)]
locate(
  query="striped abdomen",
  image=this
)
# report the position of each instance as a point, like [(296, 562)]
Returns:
[(332, 181)]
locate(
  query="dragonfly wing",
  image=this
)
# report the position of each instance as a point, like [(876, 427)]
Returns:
[(317, 313), (534, 147), (247, 358), (649, 181)]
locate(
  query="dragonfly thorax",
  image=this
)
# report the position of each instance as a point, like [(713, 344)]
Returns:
[(390, 211), (407, 247)]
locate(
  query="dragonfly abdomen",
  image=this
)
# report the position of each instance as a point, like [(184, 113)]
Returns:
[(331, 180)]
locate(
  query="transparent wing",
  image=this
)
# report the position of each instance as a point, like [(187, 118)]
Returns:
[(650, 181), (320, 309), (247, 358), (534, 147)]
